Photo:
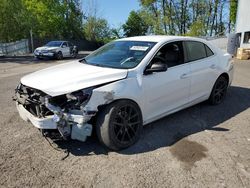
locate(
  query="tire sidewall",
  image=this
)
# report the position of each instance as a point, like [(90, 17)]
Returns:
[(105, 129), (111, 128), (211, 98), (59, 55)]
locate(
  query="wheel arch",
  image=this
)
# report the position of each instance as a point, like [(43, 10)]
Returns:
[(100, 107), (225, 75)]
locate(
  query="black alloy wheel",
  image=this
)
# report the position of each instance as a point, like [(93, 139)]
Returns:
[(125, 124), (219, 91), (119, 125), (59, 55)]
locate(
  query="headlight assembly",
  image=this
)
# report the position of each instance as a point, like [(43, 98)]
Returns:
[(72, 101), (79, 98)]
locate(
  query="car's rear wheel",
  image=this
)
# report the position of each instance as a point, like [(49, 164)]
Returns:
[(219, 91), (59, 55), (74, 53), (119, 124)]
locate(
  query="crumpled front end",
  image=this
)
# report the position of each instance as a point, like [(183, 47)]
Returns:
[(64, 113)]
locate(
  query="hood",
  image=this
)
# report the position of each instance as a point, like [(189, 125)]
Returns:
[(47, 48), (69, 77)]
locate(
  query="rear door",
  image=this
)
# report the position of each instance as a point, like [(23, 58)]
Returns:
[(203, 65)]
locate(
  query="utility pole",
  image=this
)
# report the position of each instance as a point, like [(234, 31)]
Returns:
[(31, 40)]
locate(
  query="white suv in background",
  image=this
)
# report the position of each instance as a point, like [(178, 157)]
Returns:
[(56, 49), (124, 85)]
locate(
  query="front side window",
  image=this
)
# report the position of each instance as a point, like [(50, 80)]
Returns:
[(119, 54), (172, 54), (65, 44), (196, 50)]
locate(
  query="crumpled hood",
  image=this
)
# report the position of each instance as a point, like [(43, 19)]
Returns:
[(69, 77), (46, 48)]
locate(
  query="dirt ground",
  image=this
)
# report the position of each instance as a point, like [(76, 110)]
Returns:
[(202, 146)]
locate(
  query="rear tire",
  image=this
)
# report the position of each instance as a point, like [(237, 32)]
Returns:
[(119, 124), (74, 53), (219, 91)]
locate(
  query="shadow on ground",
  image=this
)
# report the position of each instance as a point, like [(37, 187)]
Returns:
[(169, 130)]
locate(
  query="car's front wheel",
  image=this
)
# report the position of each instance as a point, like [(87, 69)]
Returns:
[(59, 55), (119, 124), (219, 91)]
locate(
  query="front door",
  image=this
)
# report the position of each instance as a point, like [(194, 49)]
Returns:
[(167, 91), (65, 49)]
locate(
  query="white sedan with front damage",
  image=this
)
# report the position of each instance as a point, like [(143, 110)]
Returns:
[(124, 85), (57, 50)]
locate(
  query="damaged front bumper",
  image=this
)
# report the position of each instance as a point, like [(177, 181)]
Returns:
[(68, 125), (34, 106), (40, 123)]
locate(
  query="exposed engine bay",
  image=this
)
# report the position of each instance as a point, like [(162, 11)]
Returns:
[(65, 111)]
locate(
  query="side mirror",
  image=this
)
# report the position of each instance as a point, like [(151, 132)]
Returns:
[(64, 46), (156, 67)]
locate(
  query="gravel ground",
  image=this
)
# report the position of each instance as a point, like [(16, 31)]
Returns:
[(202, 146)]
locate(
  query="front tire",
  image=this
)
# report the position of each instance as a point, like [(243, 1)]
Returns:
[(59, 55), (119, 124), (219, 91)]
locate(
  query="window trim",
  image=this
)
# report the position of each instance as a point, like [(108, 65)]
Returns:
[(206, 46), (168, 42)]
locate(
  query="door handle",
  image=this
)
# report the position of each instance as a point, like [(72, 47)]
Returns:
[(183, 76), (213, 66)]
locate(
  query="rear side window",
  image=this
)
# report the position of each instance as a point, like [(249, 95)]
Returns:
[(196, 50), (209, 51)]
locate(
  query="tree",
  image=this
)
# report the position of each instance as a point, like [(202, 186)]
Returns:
[(47, 18), (11, 25), (117, 32), (233, 13), (197, 29), (96, 29), (135, 25), (55, 19), (180, 17)]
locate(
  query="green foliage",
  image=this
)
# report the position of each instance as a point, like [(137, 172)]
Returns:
[(183, 17), (11, 16), (47, 18), (197, 29), (135, 25), (96, 29), (233, 10)]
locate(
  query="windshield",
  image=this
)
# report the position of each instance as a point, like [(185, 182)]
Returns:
[(54, 44), (119, 54)]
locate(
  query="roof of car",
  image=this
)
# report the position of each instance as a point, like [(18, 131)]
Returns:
[(159, 38)]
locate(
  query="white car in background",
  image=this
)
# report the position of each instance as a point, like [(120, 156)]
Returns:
[(124, 85), (57, 50), (1, 53)]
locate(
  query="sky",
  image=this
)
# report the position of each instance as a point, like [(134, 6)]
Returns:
[(115, 11)]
